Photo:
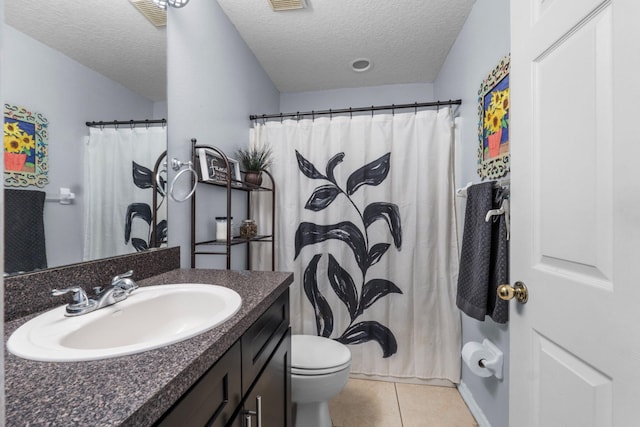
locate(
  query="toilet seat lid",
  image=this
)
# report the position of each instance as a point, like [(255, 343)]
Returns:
[(315, 354)]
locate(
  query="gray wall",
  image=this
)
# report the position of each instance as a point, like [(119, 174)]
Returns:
[(484, 40), (68, 94), (356, 97), (160, 110), (214, 84)]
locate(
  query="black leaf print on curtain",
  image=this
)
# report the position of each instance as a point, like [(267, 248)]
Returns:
[(388, 212), (370, 174), (344, 286), (375, 289), (307, 168), (357, 239), (322, 197), (309, 233), (136, 210), (324, 315), (371, 331), (162, 230), (143, 178)]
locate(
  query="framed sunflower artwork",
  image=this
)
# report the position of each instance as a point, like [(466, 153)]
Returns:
[(25, 147), (493, 123)]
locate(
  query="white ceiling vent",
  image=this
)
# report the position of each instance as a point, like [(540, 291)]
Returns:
[(153, 13), (278, 5)]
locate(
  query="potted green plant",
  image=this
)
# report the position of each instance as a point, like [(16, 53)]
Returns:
[(254, 160)]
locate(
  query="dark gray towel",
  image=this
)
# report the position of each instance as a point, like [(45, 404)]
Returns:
[(484, 257), (497, 308), (24, 244)]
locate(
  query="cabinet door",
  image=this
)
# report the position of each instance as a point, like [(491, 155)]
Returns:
[(261, 339), (270, 397), (213, 399)]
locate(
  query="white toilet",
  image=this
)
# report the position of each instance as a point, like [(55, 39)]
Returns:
[(319, 370)]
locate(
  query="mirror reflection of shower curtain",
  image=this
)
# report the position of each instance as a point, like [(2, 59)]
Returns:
[(118, 189), (365, 219)]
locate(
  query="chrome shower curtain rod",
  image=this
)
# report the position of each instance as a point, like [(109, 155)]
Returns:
[(131, 123), (373, 108)]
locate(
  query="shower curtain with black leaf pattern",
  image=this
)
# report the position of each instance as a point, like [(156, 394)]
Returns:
[(365, 218), (118, 190)]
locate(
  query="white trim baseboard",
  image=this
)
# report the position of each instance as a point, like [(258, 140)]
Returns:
[(473, 406)]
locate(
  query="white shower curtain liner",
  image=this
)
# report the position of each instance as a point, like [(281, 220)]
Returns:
[(118, 189), (365, 218)]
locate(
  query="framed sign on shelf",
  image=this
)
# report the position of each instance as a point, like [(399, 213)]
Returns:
[(493, 123), (214, 169)]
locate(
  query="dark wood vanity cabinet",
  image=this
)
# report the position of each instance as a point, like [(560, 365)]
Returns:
[(269, 400), (251, 381), (213, 399)]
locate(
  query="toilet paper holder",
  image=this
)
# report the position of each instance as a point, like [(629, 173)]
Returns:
[(494, 364), (491, 361)]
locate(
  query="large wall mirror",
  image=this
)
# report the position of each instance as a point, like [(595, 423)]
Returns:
[(73, 63)]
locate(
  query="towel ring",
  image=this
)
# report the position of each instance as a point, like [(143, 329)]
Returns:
[(195, 183)]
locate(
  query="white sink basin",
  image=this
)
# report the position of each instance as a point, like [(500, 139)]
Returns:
[(151, 317)]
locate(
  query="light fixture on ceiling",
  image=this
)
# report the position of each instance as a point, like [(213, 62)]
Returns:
[(162, 4), (361, 65)]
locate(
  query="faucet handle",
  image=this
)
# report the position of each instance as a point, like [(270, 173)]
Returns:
[(124, 282), (119, 277), (80, 298)]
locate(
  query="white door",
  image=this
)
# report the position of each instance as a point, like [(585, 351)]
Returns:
[(575, 195)]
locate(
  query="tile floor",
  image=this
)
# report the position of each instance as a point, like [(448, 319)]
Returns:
[(385, 404)]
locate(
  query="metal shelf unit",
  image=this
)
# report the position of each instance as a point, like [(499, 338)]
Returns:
[(223, 247)]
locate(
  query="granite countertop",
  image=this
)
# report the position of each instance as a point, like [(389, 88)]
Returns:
[(132, 390)]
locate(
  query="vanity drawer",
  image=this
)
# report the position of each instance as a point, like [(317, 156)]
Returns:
[(262, 338), (212, 400)]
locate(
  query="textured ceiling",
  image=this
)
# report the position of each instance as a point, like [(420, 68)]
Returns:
[(312, 49), (301, 50), (108, 36)]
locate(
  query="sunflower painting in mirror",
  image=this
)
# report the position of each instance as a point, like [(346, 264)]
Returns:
[(493, 124), (25, 147)]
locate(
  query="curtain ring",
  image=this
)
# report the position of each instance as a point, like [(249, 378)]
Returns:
[(350, 113), (313, 116), (393, 109), (131, 124), (281, 118), (101, 125), (415, 108), (372, 107), (264, 119), (437, 107), (330, 114), (298, 116), (164, 123), (117, 125)]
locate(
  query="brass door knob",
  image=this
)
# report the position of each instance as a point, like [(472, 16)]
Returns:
[(518, 290)]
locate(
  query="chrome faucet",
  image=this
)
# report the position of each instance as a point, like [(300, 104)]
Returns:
[(119, 289), (81, 303)]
